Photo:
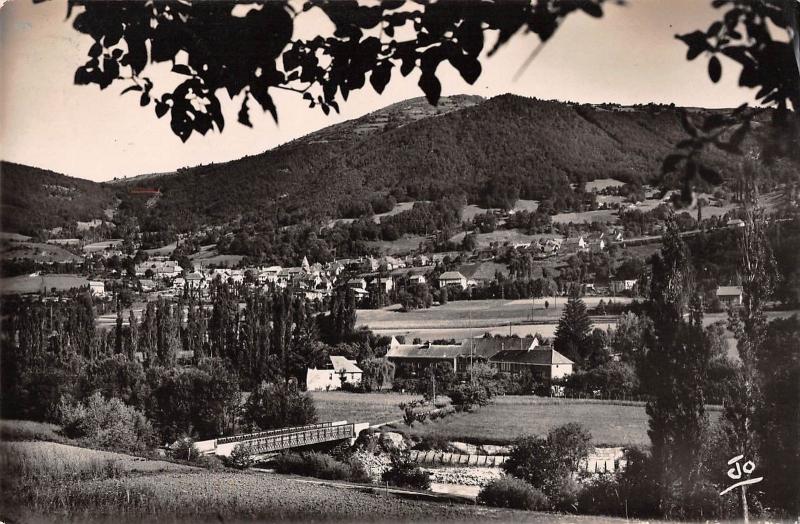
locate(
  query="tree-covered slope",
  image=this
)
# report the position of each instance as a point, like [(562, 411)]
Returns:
[(33, 199)]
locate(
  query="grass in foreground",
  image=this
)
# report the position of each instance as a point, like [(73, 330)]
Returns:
[(45, 482)]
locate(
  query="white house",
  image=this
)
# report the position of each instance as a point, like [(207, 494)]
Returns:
[(416, 279), (582, 243), (97, 288), (452, 278), (618, 286), (730, 295), (341, 370)]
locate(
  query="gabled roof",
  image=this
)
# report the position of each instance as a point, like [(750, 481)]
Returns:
[(343, 364), (729, 291), (489, 346), (451, 275), (434, 351), (534, 357)]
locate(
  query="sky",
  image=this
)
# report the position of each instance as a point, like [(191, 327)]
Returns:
[(629, 56)]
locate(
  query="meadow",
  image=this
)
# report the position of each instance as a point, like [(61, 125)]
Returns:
[(29, 284), (43, 482), (375, 408), (470, 318), (611, 423)]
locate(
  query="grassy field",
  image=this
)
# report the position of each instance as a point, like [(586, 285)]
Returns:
[(375, 408), (28, 284), (606, 216), (406, 244), (40, 252), (44, 482), (614, 424), (478, 313), (501, 236), (602, 183)]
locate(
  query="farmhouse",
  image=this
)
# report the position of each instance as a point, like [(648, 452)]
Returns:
[(452, 278), (417, 357), (416, 279), (544, 362), (341, 370), (730, 295)]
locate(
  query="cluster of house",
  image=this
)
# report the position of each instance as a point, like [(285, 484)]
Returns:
[(510, 355)]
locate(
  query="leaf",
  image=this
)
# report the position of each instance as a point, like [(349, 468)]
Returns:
[(714, 69), (307, 96), (182, 69), (131, 88), (592, 9), (380, 76), (431, 87), (244, 114), (144, 99), (96, 50), (161, 108)]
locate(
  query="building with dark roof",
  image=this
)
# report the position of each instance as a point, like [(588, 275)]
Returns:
[(545, 363)]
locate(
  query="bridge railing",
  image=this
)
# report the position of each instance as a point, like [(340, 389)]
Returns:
[(274, 432), (299, 438)]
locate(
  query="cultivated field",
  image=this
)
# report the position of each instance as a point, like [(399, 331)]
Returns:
[(465, 318), (42, 482), (611, 423)]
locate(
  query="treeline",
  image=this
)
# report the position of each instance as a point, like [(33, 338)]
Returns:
[(184, 365)]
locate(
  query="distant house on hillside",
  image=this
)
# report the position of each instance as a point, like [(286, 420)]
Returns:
[(331, 378), (730, 295), (736, 222), (452, 278)]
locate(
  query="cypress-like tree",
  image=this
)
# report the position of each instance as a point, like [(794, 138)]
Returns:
[(676, 368), (572, 332)]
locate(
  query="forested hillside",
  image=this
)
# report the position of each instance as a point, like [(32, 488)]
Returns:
[(502, 148), (33, 199), (489, 151)]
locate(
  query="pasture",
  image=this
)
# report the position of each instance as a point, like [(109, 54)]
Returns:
[(611, 423)]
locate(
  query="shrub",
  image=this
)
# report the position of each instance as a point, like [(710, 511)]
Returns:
[(184, 449), (106, 423), (510, 492), (407, 474), (547, 463), (434, 442), (409, 417), (320, 465), (239, 458)]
